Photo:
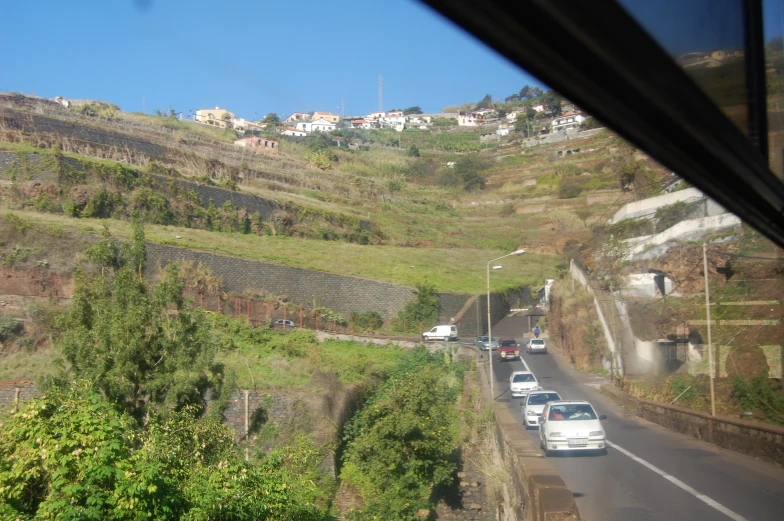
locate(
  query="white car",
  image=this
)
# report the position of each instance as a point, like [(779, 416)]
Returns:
[(284, 323), (521, 383), (445, 333), (571, 425), (534, 404), (536, 345)]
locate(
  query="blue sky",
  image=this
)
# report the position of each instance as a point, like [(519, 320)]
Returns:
[(251, 57)]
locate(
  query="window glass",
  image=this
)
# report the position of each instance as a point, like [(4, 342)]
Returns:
[(519, 378), (706, 38)]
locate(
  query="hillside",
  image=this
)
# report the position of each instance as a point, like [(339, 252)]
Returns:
[(399, 211)]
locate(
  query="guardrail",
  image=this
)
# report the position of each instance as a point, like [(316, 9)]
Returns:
[(755, 439)]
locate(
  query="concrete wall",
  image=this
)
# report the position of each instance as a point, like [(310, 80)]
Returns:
[(759, 440), (219, 196), (650, 205), (536, 491), (301, 287), (691, 229), (579, 276), (12, 392)]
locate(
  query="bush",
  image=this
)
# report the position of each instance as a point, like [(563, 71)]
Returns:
[(571, 187), (413, 151), (467, 172), (71, 455), (423, 309), (9, 326), (370, 320), (402, 443)]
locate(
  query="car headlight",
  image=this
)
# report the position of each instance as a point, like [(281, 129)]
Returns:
[(596, 433), (556, 435), (531, 413)]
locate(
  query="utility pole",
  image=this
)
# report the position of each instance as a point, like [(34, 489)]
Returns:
[(708, 315), (615, 329), (342, 109)]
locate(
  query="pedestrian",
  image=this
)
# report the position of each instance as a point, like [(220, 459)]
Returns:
[(537, 331)]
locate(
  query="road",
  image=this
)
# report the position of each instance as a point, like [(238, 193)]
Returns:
[(649, 473)]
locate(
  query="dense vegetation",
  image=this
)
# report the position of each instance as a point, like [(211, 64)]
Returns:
[(404, 441)]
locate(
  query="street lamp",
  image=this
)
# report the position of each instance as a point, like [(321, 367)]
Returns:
[(489, 320)]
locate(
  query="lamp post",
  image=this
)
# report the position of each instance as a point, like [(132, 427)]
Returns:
[(490, 322)]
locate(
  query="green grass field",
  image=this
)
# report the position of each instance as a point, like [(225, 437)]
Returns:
[(450, 270)]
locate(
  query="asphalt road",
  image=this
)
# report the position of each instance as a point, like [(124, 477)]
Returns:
[(690, 479)]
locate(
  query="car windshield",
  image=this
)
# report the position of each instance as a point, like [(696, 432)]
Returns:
[(364, 169), (571, 413), (542, 398)]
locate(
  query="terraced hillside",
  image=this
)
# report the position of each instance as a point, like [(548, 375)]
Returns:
[(399, 209)]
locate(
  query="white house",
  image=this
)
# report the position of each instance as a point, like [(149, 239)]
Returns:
[(567, 120), (398, 122), (244, 125), (289, 131), (419, 119), (485, 113), (538, 108), (395, 113), (297, 117), (502, 130), (469, 119), (321, 125), (375, 116), (513, 115)]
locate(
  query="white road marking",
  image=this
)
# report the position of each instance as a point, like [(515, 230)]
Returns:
[(678, 483)]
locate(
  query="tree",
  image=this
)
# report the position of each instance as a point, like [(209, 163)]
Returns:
[(552, 102), (589, 123), (467, 172), (71, 455), (535, 92), (272, 120), (485, 102), (513, 97), (522, 123), (413, 151), (423, 309), (525, 92), (141, 345), (319, 141), (413, 110)]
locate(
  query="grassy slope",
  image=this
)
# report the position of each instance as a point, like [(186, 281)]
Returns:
[(458, 270), (445, 233)]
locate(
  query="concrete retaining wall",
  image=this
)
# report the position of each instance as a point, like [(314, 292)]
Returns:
[(650, 205), (537, 492), (759, 440), (690, 229)]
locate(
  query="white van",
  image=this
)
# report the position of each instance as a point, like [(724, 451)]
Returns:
[(445, 333)]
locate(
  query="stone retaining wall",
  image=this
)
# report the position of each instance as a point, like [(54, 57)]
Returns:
[(537, 492)]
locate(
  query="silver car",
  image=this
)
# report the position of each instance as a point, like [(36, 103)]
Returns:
[(486, 344), (536, 345), (533, 405)]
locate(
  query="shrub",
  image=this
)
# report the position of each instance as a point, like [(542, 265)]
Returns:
[(423, 309), (571, 187), (402, 443), (368, 320), (9, 326), (413, 151)]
